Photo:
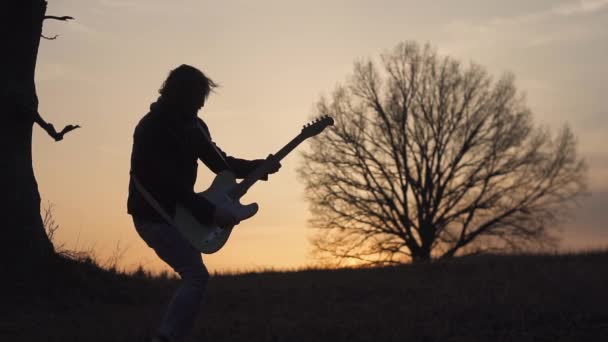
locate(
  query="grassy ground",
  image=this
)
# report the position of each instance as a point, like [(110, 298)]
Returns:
[(490, 298)]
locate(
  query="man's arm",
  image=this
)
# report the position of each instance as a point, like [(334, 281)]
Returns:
[(216, 159)]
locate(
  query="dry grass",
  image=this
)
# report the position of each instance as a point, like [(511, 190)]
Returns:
[(488, 298)]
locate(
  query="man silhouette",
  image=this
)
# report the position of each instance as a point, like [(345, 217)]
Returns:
[(167, 143)]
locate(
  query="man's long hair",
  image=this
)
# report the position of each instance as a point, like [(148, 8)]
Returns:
[(182, 80)]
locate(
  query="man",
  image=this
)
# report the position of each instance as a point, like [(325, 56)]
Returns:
[(167, 143)]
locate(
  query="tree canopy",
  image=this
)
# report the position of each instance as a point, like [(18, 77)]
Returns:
[(429, 159)]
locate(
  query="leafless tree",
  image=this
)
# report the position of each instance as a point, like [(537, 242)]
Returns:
[(23, 235), (429, 159)]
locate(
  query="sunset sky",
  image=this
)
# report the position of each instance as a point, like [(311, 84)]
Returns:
[(274, 59)]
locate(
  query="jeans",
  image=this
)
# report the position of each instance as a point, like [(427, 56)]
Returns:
[(177, 252)]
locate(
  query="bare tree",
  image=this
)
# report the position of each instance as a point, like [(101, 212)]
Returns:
[(23, 235), (429, 159)]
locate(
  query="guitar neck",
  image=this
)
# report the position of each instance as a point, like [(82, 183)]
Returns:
[(262, 170)]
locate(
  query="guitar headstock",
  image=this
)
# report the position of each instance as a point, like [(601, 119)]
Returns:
[(317, 126)]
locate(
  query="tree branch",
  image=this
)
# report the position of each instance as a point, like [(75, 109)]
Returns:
[(49, 38), (50, 129), (63, 18), (53, 17)]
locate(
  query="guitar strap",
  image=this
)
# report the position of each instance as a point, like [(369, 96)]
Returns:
[(151, 200)]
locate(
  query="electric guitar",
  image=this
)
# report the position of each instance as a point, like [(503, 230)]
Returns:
[(225, 192)]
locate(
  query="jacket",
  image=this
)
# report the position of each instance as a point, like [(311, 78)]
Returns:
[(164, 158)]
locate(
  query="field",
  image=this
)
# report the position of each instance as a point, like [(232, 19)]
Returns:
[(486, 298)]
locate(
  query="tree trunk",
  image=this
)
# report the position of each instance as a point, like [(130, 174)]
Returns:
[(421, 256), (422, 253), (24, 240)]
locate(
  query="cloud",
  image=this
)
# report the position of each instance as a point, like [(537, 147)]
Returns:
[(587, 225), (598, 171), (560, 23), (580, 7), (567, 9), (571, 8), (148, 6)]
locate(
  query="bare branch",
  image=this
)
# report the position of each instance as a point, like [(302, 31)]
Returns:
[(53, 17), (49, 38), (63, 18), (50, 129)]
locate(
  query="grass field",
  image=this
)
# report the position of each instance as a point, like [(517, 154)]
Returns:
[(487, 298)]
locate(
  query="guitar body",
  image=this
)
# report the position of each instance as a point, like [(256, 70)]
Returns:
[(225, 193), (210, 238)]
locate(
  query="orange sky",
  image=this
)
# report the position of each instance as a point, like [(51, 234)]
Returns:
[(273, 60)]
